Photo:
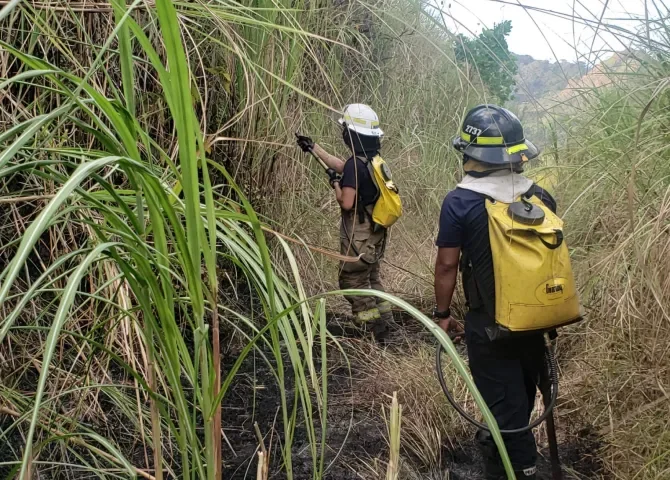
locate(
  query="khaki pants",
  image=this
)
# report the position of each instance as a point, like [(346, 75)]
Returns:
[(363, 274)]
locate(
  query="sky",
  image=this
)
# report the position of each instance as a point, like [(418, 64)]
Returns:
[(533, 32)]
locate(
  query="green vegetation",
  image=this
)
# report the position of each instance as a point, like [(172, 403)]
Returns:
[(489, 58), (146, 158)]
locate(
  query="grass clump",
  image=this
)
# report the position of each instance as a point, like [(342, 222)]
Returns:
[(430, 427)]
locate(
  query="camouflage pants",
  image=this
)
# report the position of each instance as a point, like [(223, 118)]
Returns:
[(364, 274)]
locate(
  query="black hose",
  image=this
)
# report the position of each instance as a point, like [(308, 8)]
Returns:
[(553, 376)]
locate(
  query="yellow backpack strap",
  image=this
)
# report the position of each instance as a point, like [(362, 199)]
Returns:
[(368, 165)]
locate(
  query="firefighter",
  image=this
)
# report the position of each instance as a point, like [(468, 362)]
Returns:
[(357, 193), (505, 367)]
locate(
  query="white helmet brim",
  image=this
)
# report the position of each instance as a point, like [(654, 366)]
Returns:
[(370, 132)]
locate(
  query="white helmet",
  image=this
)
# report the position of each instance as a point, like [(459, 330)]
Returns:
[(361, 119)]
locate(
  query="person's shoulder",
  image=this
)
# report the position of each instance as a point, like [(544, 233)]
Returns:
[(349, 165), (354, 162), (460, 201), (463, 196)]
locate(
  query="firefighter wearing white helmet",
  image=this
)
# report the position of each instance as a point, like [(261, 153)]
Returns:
[(369, 203)]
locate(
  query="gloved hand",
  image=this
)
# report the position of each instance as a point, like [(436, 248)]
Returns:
[(306, 144), (333, 177)]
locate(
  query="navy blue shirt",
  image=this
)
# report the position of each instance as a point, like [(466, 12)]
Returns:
[(357, 176), (464, 223)]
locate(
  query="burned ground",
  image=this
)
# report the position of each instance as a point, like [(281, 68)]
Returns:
[(356, 431)]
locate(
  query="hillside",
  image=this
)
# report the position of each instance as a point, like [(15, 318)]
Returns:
[(611, 70), (547, 82), (538, 78), (549, 93)]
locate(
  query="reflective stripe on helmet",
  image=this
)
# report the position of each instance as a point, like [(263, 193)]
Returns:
[(489, 141), (363, 122), (482, 140), (517, 148), (494, 141), (357, 121)]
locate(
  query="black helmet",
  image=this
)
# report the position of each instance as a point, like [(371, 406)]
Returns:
[(494, 135)]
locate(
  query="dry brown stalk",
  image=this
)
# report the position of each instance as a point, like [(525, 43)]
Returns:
[(263, 470), (79, 7), (30, 198)]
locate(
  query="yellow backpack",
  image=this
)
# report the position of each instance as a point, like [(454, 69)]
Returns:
[(388, 207), (534, 285)]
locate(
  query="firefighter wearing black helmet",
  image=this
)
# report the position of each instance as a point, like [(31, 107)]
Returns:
[(506, 369)]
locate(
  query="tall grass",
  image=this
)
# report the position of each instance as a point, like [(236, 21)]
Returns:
[(124, 214), (610, 161), (616, 195), (161, 231)]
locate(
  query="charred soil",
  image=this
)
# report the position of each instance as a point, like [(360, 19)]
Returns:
[(356, 445)]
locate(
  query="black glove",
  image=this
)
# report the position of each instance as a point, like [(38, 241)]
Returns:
[(305, 143), (333, 177)]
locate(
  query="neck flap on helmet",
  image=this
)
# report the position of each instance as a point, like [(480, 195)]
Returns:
[(479, 169), (361, 145)]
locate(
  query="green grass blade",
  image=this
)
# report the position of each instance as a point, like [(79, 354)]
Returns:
[(52, 341), (35, 230), (31, 128), (125, 56)]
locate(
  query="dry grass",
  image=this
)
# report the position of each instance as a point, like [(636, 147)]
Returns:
[(618, 372), (615, 195), (431, 429), (429, 424)]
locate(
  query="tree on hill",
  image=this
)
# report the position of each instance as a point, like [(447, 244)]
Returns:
[(488, 55)]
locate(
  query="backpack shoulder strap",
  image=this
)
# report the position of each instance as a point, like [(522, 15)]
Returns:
[(366, 211), (371, 172), (542, 195), (531, 191)]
